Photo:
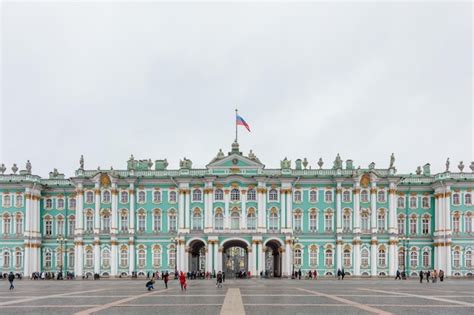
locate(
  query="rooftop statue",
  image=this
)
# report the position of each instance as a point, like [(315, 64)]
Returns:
[(220, 154), (337, 162), (81, 162), (14, 168), (418, 170), (28, 167), (447, 165), (392, 161), (472, 166), (185, 163), (298, 164), (305, 163), (285, 164), (253, 157), (461, 166), (372, 166), (320, 163), (161, 165), (2, 168)]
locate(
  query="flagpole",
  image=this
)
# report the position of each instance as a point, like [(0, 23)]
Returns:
[(236, 126)]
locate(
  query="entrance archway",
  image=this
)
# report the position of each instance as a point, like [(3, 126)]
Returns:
[(235, 258), (273, 258), (197, 255)]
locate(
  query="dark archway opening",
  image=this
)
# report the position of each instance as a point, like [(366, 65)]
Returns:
[(235, 259), (197, 256), (273, 258)]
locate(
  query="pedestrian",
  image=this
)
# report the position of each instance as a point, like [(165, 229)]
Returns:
[(165, 279), (398, 275), (182, 281), (338, 274), (421, 276), (435, 276), (219, 280), (299, 274), (223, 277), (343, 273), (11, 278), (149, 284), (441, 275), (428, 275)]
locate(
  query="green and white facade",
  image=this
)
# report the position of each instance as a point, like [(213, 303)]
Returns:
[(147, 217)]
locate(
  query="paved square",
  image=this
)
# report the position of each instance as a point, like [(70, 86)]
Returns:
[(256, 296)]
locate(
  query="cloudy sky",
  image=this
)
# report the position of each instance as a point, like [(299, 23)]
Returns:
[(162, 80)]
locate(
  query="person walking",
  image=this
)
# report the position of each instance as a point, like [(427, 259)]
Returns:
[(11, 278), (441, 275), (343, 273), (398, 275), (421, 276), (165, 279), (219, 280), (435, 276), (182, 281), (428, 275), (338, 274)]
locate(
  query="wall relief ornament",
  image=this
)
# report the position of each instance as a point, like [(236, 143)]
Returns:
[(365, 180), (105, 180)]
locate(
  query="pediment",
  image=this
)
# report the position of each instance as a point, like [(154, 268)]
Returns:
[(235, 161)]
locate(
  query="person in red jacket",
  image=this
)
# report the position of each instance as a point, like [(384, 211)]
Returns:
[(182, 281)]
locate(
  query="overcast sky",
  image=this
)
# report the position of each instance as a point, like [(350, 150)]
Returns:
[(162, 81)]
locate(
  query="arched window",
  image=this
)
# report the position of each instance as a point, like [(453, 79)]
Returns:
[(414, 258), (172, 221), (313, 221), (381, 196), (218, 220), (106, 258), (273, 221), (105, 222), (48, 258), (6, 259), (328, 258), (235, 220), (123, 257), (60, 225), (364, 222), (456, 199), (7, 201), (19, 223), (172, 257), (297, 257), (6, 224), (89, 222), (89, 197), (141, 257), (401, 202), (123, 220), (197, 220), (19, 201), (426, 259), (141, 221), (346, 221), (49, 203), (297, 220), (364, 258), (273, 195), (48, 226), (60, 202), (347, 257), (413, 223), (425, 202), (141, 196), (235, 195), (413, 202), (425, 225), (381, 221), (197, 195), (72, 203), (346, 196), (313, 196), (172, 196), (468, 259), (328, 196), (401, 258), (251, 195), (467, 199), (401, 224), (251, 220), (106, 196), (124, 197), (157, 221), (364, 196), (71, 259), (156, 256), (456, 225), (313, 256), (468, 222), (297, 196), (328, 221), (89, 258), (219, 195), (156, 196), (382, 257), (456, 258)]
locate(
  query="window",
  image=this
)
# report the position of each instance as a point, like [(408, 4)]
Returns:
[(172, 221), (219, 195), (468, 259), (401, 225), (328, 222), (364, 220), (48, 259), (381, 221), (6, 224), (413, 258), (156, 256), (456, 199), (273, 195), (456, 259), (381, 196), (467, 199), (141, 221), (364, 196), (156, 196), (48, 226), (297, 257), (157, 221), (60, 203), (219, 221), (401, 259), (456, 219), (297, 196), (413, 225), (172, 196), (364, 258), (425, 202), (105, 224), (172, 257), (235, 221), (347, 258), (346, 196), (106, 258), (346, 221), (141, 257), (382, 257), (89, 197), (60, 225), (413, 202), (401, 202), (425, 225), (141, 196), (328, 258), (426, 259), (297, 220), (49, 203), (6, 259), (197, 195), (124, 221), (251, 221), (313, 196), (313, 256), (72, 203), (106, 196), (273, 221), (251, 195), (313, 221), (468, 222), (197, 220), (71, 225), (89, 222), (123, 257), (89, 258), (123, 197), (234, 195), (328, 196), (71, 258), (7, 201), (19, 201), (19, 223)]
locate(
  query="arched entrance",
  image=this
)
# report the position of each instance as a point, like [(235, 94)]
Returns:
[(273, 258), (197, 255), (235, 258)]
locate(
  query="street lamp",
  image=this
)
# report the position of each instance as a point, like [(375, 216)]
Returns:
[(62, 241), (294, 241)]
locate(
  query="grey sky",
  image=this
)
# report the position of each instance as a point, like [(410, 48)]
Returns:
[(162, 80)]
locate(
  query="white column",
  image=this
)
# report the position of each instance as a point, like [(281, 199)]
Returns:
[(356, 196), (392, 210), (226, 210), (131, 192), (373, 208), (356, 244), (97, 209), (79, 245), (283, 212), (339, 253), (181, 194), (96, 255), (392, 254), (284, 262), (114, 257), (261, 205), (262, 256), (187, 209), (209, 249), (289, 209), (219, 258), (131, 257), (207, 209), (338, 209), (253, 271), (216, 254), (79, 258), (114, 223), (373, 257), (288, 257), (243, 200)]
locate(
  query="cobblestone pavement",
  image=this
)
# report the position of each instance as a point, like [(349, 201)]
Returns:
[(256, 296)]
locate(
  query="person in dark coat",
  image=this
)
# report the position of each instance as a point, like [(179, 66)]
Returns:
[(343, 273), (441, 275), (165, 279), (338, 274), (398, 275), (421, 276), (428, 275), (11, 278)]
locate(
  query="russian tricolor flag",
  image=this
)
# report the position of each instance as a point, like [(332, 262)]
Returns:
[(241, 121)]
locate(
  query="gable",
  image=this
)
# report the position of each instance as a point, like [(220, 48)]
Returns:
[(235, 161)]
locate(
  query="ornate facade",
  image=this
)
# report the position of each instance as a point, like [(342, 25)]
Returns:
[(236, 215)]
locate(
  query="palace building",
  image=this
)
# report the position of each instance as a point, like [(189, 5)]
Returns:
[(237, 215)]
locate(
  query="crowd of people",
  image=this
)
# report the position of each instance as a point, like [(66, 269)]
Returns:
[(431, 275)]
